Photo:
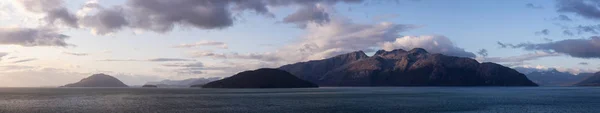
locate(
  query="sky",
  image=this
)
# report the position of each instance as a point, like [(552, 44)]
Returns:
[(55, 42)]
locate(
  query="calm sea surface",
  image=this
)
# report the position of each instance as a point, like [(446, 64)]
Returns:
[(338, 100)]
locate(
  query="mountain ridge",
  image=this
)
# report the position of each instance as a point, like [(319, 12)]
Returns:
[(398, 67)]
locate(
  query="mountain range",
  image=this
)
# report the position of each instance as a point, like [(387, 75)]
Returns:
[(553, 77), (593, 80), (398, 67)]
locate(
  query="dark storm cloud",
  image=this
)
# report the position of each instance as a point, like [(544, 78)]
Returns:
[(32, 37), (585, 8), (581, 48)]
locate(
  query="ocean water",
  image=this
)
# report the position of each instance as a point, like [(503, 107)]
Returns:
[(316, 100)]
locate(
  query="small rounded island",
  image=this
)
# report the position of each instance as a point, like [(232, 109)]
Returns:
[(151, 86)]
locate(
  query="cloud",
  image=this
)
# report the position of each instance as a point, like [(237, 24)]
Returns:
[(593, 29), (234, 55), (24, 60), (580, 48), (519, 58), (568, 33), (533, 6), (585, 8), (105, 21), (203, 43), (161, 16), (10, 68), (195, 64), (433, 44), (308, 13), (323, 41), (583, 63), (563, 18), (53, 9), (75, 54), (543, 32), (32, 37), (483, 52), (168, 59), (2, 54)]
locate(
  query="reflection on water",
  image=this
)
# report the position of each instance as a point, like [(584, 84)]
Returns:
[(342, 100)]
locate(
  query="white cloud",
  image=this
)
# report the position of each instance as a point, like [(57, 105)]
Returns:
[(433, 44)]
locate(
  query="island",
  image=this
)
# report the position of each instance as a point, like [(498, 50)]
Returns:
[(261, 78), (98, 80), (416, 67)]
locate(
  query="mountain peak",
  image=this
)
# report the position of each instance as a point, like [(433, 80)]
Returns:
[(390, 54), (418, 51), (353, 55)]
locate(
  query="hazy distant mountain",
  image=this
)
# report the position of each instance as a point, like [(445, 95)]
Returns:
[(98, 80), (261, 78), (593, 80), (183, 83), (416, 67), (552, 77)]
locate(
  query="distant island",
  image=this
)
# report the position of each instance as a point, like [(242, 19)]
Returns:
[(98, 80), (183, 83), (590, 81), (261, 78), (398, 67)]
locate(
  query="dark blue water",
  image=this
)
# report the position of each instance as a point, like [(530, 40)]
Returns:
[(340, 100)]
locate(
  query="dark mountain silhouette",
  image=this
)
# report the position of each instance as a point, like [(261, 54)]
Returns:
[(313, 70), (261, 78), (593, 80), (183, 83), (553, 77), (98, 80), (416, 67)]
